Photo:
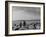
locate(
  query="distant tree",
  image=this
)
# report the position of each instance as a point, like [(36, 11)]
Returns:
[(20, 24), (24, 23), (15, 25), (34, 26)]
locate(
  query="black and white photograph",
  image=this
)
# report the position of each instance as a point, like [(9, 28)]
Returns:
[(24, 18)]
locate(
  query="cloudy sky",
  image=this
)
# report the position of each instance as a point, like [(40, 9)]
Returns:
[(25, 13)]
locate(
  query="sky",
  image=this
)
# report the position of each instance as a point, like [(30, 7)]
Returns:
[(25, 13)]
